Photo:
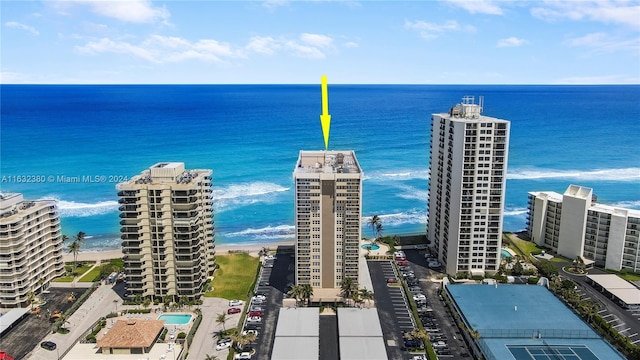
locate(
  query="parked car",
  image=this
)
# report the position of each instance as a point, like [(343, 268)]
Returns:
[(413, 343), (399, 253), (270, 257), (415, 288), (419, 297), (235, 303), (268, 264), (49, 345), (259, 297), (256, 313), (252, 326), (392, 280), (403, 263), (224, 340), (242, 356), (234, 311), (263, 283), (256, 308), (257, 302), (224, 345), (254, 319), (246, 332), (421, 246)]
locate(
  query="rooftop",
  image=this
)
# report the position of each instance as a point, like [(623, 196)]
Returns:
[(523, 315), (332, 162), (132, 333), (619, 287), (298, 322), (359, 322)]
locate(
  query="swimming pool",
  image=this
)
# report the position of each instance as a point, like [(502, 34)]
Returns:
[(175, 319), (505, 254), (370, 247)]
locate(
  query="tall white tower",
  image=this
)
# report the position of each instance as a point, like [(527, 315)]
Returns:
[(468, 165), (328, 207)]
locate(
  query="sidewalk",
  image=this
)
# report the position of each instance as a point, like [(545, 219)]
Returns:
[(99, 304), (76, 283)]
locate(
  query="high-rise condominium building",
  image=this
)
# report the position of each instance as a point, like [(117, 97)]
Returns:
[(328, 198), (574, 224), (30, 248), (167, 231), (467, 188)]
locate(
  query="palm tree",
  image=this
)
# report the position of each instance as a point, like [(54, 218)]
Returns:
[(357, 300), (242, 340), (221, 319), (30, 296), (211, 357), (74, 248), (378, 230), (366, 295), (374, 222), (296, 292), (306, 292), (421, 334), (347, 288)]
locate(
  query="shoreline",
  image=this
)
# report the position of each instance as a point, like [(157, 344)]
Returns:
[(101, 255)]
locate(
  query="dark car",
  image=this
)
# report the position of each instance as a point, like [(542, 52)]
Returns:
[(234, 311), (49, 345), (392, 280), (252, 326), (263, 283), (413, 343)]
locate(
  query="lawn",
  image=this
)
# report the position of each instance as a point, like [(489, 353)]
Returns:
[(64, 279), (524, 246), (235, 276), (81, 269), (92, 275)]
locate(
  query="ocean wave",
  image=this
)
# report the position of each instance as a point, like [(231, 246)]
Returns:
[(632, 204), (80, 209), (515, 211), (238, 195), (399, 175), (268, 232), (624, 174), (413, 216), (412, 193)]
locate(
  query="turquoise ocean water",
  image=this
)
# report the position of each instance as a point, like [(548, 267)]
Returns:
[(250, 136)]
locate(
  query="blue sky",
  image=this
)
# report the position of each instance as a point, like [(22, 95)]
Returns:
[(295, 42)]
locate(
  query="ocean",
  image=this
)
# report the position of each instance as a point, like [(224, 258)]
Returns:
[(62, 136)]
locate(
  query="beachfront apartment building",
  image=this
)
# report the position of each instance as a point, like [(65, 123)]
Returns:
[(573, 224), (30, 248), (328, 209), (468, 164), (167, 231)]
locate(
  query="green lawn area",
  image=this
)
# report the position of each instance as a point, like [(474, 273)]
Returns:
[(560, 259), (64, 279), (92, 275), (81, 269), (235, 276), (527, 247)]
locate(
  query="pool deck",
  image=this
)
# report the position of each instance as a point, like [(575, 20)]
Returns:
[(381, 251)]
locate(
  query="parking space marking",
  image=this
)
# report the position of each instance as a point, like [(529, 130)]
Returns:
[(587, 298), (625, 330), (606, 316), (634, 342), (622, 324), (632, 335), (601, 311)]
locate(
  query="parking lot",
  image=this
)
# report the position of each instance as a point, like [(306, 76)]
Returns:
[(28, 334), (272, 281)]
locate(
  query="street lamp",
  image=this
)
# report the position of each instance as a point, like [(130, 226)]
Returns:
[(116, 302)]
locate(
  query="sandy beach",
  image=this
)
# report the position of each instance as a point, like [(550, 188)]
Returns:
[(253, 249)]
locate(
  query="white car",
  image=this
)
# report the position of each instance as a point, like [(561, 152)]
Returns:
[(224, 345), (242, 356), (246, 332), (419, 297), (270, 257), (235, 303), (254, 319), (259, 297), (421, 246), (257, 302)]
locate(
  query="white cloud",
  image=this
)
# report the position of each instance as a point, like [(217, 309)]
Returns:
[(429, 31), (351, 44), (595, 80), (317, 40), (511, 42), (165, 49), (478, 6), (606, 11), (273, 4), (17, 25), (601, 42), (135, 11), (311, 46)]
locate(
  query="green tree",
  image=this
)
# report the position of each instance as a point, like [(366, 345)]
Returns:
[(517, 269), (578, 265), (74, 247), (374, 221), (306, 292), (348, 288), (242, 340), (366, 295), (296, 292), (379, 230), (221, 319)]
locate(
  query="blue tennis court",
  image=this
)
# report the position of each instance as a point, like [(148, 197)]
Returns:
[(551, 352)]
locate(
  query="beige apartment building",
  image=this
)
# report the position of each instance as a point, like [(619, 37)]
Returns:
[(468, 165), (573, 224), (328, 209), (167, 231), (30, 248)]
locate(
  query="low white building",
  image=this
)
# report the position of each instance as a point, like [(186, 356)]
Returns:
[(574, 224)]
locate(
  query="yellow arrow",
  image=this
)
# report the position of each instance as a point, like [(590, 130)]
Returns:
[(325, 118)]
